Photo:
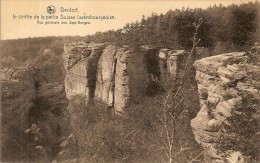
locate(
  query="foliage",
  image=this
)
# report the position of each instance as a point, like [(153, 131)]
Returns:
[(234, 25), (241, 131), (153, 70), (36, 151), (20, 52), (156, 129), (136, 136), (222, 47)]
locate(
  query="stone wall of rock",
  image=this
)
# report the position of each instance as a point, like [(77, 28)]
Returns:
[(172, 62), (17, 99), (105, 71), (25, 101), (130, 77), (117, 75), (223, 81), (106, 75), (80, 61)]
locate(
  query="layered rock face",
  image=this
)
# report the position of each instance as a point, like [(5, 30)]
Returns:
[(117, 75), (113, 78), (225, 83), (28, 101), (104, 74), (172, 62), (80, 61), (17, 99), (120, 77), (130, 77)]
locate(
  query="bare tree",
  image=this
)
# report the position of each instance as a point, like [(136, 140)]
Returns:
[(171, 111)]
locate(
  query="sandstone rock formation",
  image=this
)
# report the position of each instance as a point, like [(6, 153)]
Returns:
[(172, 62), (17, 98), (102, 75), (114, 77), (118, 75), (130, 77), (26, 101), (225, 82), (106, 75), (81, 65)]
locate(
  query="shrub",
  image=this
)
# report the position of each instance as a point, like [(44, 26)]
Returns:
[(241, 132)]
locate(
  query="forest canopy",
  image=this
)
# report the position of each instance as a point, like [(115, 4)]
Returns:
[(224, 29), (234, 25)]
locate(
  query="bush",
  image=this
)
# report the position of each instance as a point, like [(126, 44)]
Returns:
[(241, 134), (223, 47)]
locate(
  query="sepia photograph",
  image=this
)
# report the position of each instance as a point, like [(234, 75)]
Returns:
[(130, 81)]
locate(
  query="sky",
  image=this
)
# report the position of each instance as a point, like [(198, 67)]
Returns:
[(124, 12)]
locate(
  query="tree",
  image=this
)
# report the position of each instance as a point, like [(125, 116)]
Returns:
[(174, 107)]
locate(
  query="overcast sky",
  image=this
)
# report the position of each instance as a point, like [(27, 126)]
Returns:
[(124, 11)]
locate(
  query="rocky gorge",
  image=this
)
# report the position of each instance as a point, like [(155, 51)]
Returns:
[(121, 76), (33, 111)]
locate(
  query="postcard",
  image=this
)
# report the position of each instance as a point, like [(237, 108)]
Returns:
[(172, 81)]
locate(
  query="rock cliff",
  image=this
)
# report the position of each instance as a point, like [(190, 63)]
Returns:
[(226, 84), (80, 61), (17, 99), (172, 62), (118, 75), (30, 101), (114, 78)]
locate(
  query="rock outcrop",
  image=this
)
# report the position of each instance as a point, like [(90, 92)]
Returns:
[(17, 99), (80, 61), (28, 101), (172, 62), (225, 83), (118, 75), (113, 78), (106, 75)]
